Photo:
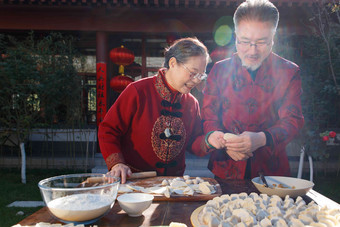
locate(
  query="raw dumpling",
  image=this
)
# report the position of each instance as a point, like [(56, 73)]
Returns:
[(165, 182)]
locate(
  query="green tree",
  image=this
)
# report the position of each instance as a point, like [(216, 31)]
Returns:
[(39, 84)]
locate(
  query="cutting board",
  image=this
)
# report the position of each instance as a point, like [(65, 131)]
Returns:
[(157, 181)]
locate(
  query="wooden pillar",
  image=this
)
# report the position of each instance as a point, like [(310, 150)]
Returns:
[(144, 72), (102, 53)]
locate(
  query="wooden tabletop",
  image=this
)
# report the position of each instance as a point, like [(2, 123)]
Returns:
[(162, 213)]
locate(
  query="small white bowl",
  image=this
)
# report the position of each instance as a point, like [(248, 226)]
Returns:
[(293, 187), (134, 204)]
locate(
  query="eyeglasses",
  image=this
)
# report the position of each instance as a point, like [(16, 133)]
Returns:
[(200, 76), (247, 44)]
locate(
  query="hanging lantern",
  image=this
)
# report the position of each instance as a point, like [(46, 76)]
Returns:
[(122, 57), (170, 39), (220, 53), (119, 83)]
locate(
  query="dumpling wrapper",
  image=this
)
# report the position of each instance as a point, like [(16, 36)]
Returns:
[(188, 191), (135, 188), (124, 189), (179, 191), (155, 190), (228, 136), (178, 184)]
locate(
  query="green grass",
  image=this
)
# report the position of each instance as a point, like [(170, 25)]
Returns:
[(13, 190), (328, 185)]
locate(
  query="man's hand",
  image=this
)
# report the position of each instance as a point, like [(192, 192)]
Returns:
[(246, 143), (120, 170), (216, 139)]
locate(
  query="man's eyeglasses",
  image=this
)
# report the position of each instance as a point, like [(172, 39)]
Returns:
[(200, 76), (247, 44)]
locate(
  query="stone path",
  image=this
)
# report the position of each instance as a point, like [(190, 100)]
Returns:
[(26, 204)]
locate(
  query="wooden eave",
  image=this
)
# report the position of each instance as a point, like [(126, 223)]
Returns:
[(137, 16), (149, 3)]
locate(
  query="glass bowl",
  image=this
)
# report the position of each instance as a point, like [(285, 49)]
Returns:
[(79, 198)]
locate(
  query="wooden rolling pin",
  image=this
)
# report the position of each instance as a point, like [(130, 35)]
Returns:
[(143, 175), (93, 180)]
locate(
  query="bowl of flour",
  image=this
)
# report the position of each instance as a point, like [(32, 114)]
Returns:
[(79, 198)]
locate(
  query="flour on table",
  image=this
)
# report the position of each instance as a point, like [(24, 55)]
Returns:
[(124, 189), (80, 207)]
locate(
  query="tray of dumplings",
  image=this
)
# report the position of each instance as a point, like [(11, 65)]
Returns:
[(168, 188), (263, 210)]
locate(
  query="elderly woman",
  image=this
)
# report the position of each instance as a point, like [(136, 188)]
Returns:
[(156, 119)]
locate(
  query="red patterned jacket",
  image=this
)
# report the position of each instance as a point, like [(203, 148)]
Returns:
[(133, 130), (234, 103)]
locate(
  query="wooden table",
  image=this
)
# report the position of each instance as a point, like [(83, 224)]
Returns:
[(162, 213)]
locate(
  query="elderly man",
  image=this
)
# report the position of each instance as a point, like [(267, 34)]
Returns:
[(255, 95)]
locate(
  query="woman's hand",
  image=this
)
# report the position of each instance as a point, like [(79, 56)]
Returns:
[(120, 170), (216, 139)]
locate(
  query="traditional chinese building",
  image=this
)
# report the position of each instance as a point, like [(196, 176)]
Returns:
[(145, 27)]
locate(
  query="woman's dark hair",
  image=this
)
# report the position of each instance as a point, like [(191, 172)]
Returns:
[(184, 48)]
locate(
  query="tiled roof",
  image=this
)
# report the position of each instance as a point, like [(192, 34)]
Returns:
[(150, 3)]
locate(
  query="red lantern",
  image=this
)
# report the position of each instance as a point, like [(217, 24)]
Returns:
[(220, 53), (170, 39), (122, 57), (119, 83)]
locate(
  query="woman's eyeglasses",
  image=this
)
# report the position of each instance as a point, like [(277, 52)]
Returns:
[(200, 76)]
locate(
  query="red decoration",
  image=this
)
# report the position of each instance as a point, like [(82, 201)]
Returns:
[(122, 57), (332, 134), (220, 53), (325, 138), (119, 83), (170, 39), (101, 91)]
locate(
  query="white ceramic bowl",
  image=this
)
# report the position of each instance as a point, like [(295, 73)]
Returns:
[(293, 187), (70, 201), (134, 204)]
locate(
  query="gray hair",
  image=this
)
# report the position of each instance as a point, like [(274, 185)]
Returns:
[(258, 10), (184, 48)]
